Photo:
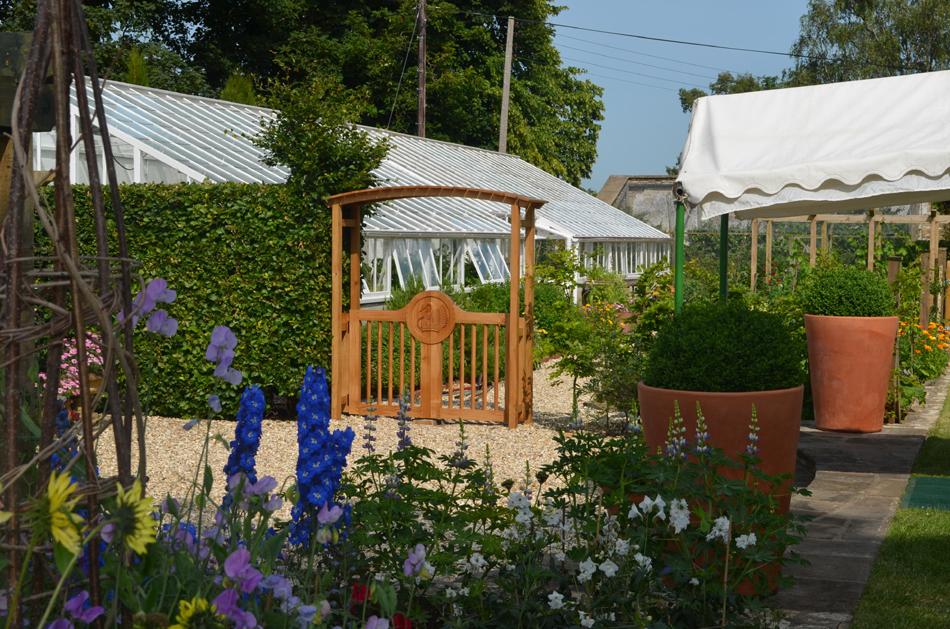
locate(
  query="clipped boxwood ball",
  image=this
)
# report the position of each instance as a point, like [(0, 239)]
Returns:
[(847, 292), (725, 349)]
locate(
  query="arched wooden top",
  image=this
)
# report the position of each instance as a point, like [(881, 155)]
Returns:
[(377, 195)]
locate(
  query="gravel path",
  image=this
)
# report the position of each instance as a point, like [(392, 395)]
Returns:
[(173, 453)]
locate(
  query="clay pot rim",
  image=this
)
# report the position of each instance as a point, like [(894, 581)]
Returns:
[(852, 318), (769, 392)]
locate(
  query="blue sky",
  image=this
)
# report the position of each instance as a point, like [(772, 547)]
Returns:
[(644, 128)]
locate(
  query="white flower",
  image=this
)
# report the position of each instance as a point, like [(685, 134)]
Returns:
[(476, 562), (622, 547), (634, 512), (645, 562), (679, 514), (555, 600), (463, 591), (694, 581), (720, 529), (588, 568), (647, 505), (744, 541), (586, 621), (517, 500), (609, 568), (450, 593)]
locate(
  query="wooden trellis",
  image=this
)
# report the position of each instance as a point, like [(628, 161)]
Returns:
[(375, 352)]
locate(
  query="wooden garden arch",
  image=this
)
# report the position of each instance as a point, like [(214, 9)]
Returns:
[(369, 344)]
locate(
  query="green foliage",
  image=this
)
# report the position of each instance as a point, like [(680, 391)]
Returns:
[(727, 83), (137, 71), (652, 300), (847, 292), (253, 257), (239, 89), (606, 286), (724, 349), (846, 41)]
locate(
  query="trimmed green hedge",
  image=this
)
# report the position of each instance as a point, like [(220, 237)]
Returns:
[(714, 348), (253, 257), (847, 291)]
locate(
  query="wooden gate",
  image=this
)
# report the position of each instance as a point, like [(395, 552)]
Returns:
[(447, 363)]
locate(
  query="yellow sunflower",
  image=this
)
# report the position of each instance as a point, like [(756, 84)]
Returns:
[(63, 523), (198, 614), (134, 523)]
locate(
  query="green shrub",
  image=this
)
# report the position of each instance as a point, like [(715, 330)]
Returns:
[(710, 347), (847, 292), (253, 257)]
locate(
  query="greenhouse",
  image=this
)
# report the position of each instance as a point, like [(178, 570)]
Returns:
[(166, 137)]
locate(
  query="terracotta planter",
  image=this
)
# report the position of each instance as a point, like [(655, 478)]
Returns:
[(728, 416), (850, 359)]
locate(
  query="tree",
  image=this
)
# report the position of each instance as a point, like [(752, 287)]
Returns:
[(727, 83), (845, 40), (364, 44)]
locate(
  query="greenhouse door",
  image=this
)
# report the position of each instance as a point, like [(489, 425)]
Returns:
[(443, 362)]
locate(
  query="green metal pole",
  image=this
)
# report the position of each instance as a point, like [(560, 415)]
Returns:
[(679, 259), (723, 255)]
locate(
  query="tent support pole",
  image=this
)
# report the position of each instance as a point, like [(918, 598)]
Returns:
[(679, 258), (723, 255), (754, 252)]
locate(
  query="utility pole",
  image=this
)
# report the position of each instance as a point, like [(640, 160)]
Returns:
[(422, 69), (506, 88)]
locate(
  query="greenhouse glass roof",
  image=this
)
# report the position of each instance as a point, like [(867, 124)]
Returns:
[(204, 138)]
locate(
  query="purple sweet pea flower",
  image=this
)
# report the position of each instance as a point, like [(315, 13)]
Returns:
[(416, 561), (274, 504), (215, 403), (377, 623), (191, 423), (263, 486), (280, 586), (222, 345), (239, 569), (141, 306), (329, 516), (107, 533), (227, 604), (170, 505), (75, 607), (158, 291), (306, 615), (161, 323), (61, 623)]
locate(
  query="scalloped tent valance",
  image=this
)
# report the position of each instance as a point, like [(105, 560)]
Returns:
[(825, 148)]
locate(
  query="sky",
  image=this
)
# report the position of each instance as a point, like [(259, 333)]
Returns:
[(644, 128)]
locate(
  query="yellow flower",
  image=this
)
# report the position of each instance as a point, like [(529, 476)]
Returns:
[(63, 522), (135, 525), (198, 613)]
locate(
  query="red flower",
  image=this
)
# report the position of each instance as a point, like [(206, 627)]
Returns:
[(360, 592), (401, 622)]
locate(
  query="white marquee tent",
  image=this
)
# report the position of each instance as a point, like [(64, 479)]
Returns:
[(824, 148), (817, 149)]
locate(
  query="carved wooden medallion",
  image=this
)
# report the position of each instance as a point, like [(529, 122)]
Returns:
[(431, 317)]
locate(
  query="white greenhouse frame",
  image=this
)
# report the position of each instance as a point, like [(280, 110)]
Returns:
[(166, 137)]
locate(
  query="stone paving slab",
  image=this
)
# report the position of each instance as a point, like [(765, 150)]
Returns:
[(857, 486)]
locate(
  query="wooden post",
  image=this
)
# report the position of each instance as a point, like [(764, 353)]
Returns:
[(355, 333), (514, 329), (871, 217), (925, 291), (934, 269), (893, 269), (754, 250), (768, 253), (813, 246), (506, 88), (946, 292), (941, 278), (336, 315), (528, 394), (825, 244)]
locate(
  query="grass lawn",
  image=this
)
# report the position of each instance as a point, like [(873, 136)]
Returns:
[(910, 583)]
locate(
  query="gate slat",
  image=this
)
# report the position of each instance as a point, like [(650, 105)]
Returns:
[(484, 367)]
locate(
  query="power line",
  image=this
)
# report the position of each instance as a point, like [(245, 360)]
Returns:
[(639, 63), (403, 73), (611, 78), (646, 76), (634, 36), (636, 52)]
